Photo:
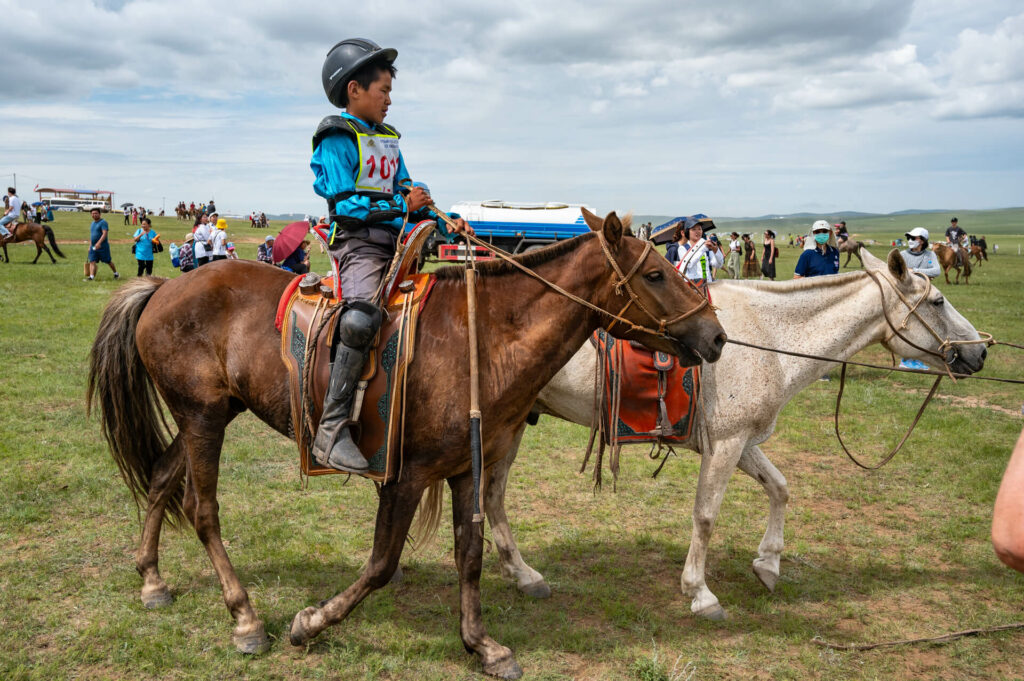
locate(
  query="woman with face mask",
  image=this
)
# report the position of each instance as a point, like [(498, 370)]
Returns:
[(822, 252), (918, 256)]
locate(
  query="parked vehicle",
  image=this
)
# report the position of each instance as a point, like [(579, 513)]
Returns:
[(515, 227)]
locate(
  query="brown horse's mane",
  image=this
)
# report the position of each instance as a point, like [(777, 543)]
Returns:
[(499, 268)]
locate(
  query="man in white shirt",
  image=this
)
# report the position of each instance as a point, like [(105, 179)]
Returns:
[(13, 211)]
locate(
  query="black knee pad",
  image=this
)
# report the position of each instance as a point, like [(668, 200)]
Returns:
[(358, 323)]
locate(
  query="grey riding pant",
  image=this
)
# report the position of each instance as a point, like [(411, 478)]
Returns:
[(362, 263)]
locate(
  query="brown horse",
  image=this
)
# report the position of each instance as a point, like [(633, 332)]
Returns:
[(851, 248), (224, 313), (948, 259), (977, 252), (32, 231)]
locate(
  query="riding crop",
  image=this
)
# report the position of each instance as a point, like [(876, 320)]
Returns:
[(475, 438)]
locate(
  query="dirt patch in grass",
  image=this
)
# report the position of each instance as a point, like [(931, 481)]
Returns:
[(969, 402)]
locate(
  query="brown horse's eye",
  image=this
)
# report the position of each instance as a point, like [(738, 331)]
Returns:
[(654, 276)]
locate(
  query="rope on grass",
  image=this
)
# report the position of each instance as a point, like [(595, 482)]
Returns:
[(934, 639)]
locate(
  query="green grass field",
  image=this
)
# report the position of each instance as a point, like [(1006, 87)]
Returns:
[(900, 553)]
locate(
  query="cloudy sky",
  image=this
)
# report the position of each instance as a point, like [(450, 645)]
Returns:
[(656, 106)]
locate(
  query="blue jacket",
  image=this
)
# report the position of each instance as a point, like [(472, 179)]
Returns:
[(335, 165)]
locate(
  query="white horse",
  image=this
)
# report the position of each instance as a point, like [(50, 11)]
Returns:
[(742, 395)]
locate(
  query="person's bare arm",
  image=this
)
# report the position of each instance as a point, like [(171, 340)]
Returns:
[(1008, 515)]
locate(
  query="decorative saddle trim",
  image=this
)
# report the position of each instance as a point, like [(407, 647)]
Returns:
[(640, 396)]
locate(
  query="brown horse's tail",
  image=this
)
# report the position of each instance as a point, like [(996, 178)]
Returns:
[(428, 516), (53, 240), (133, 422)]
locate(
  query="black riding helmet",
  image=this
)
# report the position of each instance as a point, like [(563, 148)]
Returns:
[(344, 59)]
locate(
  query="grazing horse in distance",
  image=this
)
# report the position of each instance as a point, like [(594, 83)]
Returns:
[(851, 248), (743, 394), (33, 231), (224, 313), (950, 259)]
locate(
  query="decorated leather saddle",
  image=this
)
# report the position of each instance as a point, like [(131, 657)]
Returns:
[(306, 316), (641, 397)]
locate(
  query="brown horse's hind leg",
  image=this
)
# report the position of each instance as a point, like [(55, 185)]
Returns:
[(201, 508), (47, 249), (497, 660), (395, 510), (165, 481)]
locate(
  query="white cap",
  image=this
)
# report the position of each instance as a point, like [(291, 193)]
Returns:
[(810, 243), (919, 232)]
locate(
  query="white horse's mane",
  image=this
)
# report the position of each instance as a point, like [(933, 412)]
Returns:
[(802, 284)]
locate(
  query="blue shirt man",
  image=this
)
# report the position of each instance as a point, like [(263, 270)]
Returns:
[(823, 258), (99, 246)]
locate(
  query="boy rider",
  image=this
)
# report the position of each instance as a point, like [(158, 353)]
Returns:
[(360, 171)]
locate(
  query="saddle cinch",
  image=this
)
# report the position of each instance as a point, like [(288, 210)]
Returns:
[(306, 319)]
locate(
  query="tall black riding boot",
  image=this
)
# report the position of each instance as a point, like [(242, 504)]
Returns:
[(333, 445)]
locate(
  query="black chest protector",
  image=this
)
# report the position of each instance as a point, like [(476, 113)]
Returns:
[(358, 132)]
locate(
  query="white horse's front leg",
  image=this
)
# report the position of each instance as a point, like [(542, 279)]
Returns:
[(755, 464), (715, 471), (528, 580)]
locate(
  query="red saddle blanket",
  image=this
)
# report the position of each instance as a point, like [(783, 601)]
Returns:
[(646, 396)]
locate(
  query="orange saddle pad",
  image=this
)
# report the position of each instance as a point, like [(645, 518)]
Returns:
[(646, 396)]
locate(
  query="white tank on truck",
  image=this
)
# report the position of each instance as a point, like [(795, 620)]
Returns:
[(518, 227)]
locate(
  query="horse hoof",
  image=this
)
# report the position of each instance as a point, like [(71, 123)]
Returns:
[(715, 613), (255, 643), (505, 668), (157, 599), (766, 577), (538, 589), (299, 634)]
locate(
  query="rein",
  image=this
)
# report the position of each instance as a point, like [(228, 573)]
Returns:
[(622, 283), (947, 353)]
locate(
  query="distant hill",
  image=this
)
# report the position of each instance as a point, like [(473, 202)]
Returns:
[(995, 221)]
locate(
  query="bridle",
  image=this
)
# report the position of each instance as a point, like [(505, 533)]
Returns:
[(947, 351), (621, 285)]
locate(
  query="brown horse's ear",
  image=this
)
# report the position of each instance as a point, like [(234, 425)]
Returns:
[(595, 223), (613, 229), (627, 224), (897, 265)]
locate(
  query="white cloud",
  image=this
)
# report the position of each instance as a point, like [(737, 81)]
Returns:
[(571, 100), (986, 73)]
